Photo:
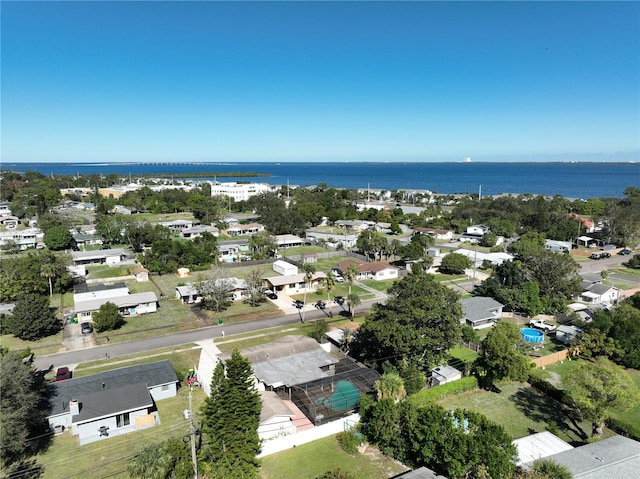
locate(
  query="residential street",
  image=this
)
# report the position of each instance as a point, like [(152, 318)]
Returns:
[(89, 352), (77, 356)]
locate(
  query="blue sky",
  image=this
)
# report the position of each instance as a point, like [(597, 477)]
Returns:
[(316, 81)]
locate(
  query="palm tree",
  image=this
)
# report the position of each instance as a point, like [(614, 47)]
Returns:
[(351, 274), (390, 385), (331, 283), (309, 269), (354, 300), (151, 462), (49, 271)]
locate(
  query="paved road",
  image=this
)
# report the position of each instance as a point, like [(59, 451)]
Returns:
[(597, 265), (131, 347), (78, 356)]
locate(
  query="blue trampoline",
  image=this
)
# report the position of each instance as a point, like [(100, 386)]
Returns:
[(532, 335)]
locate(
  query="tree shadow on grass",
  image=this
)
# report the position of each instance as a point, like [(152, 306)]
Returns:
[(543, 409)]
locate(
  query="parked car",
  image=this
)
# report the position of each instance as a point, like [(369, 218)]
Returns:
[(86, 328), (624, 251), (595, 256), (63, 373), (542, 324), (270, 294), (605, 255)]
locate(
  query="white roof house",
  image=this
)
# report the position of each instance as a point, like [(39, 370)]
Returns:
[(189, 292), (538, 446), (239, 191), (130, 304), (478, 257)]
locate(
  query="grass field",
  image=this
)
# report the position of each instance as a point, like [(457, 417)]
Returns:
[(522, 410), (311, 460)]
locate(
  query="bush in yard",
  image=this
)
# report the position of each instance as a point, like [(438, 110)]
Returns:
[(337, 474), (349, 441), (319, 329), (107, 318)]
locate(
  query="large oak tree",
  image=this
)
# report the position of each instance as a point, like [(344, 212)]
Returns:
[(419, 323)]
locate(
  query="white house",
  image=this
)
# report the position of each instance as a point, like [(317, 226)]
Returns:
[(600, 294), (85, 292), (284, 268), (478, 257), (332, 239), (239, 191), (109, 257), (24, 239), (276, 419), (480, 312), (295, 283), (111, 403), (245, 230), (197, 230), (189, 292), (378, 270), (287, 241), (128, 305), (474, 234), (177, 226), (436, 233), (557, 246)]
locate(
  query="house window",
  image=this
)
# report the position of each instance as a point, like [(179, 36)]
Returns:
[(165, 387), (123, 420)]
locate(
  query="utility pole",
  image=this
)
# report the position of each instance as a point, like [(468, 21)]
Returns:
[(192, 433)]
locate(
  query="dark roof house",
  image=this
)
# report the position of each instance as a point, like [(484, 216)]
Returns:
[(111, 402)]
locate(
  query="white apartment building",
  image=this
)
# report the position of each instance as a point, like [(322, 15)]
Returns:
[(239, 191)]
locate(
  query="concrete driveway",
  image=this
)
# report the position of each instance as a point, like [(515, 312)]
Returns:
[(72, 338)]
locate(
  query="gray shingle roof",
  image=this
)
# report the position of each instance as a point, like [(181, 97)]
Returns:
[(617, 457), (113, 401), (479, 308), (152, 374)]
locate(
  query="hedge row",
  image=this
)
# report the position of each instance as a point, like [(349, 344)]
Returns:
[(623, 428), (550, 390), (450, 389)]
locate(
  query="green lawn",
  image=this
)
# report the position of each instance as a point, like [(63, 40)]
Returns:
[(522, 410), (463, 354), (382, 286), (309, 461), (49, 345), (102, 272)]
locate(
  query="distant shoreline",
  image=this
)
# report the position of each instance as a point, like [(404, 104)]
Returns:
[(298, 162)]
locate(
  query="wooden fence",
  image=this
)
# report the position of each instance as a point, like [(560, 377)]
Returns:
[(551, 358)]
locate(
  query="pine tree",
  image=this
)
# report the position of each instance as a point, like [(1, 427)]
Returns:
[(231, 416)]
